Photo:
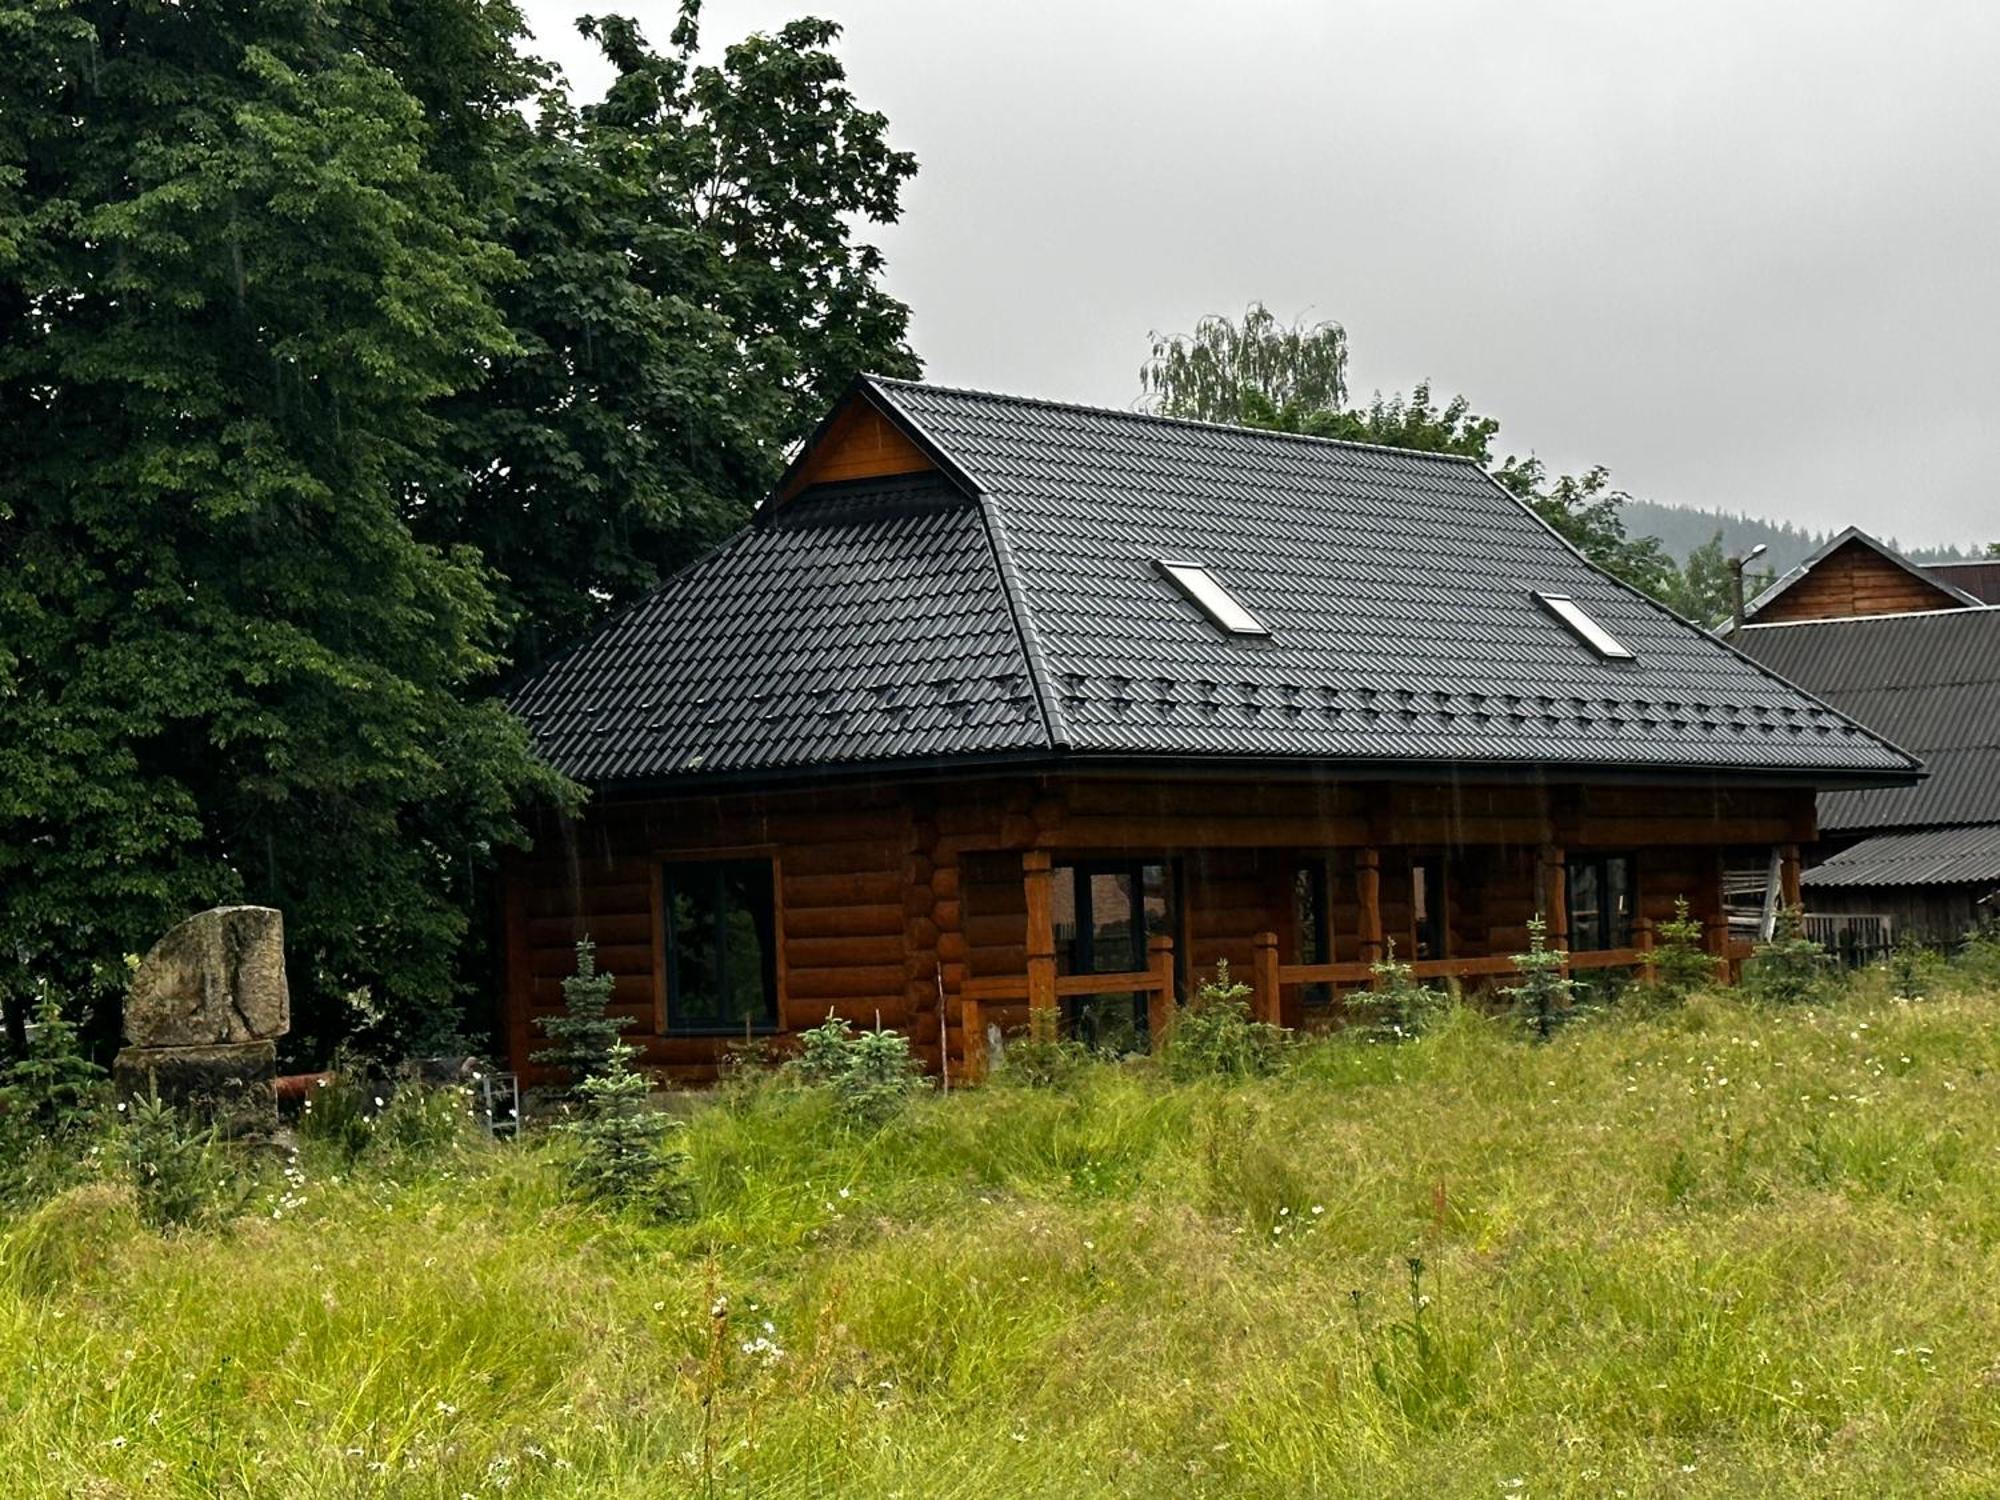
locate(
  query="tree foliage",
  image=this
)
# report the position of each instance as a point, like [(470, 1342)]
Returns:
[(330, 380), (691, 299), (1261, 373)]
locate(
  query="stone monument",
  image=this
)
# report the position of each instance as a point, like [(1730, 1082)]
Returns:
[(203, 1015)]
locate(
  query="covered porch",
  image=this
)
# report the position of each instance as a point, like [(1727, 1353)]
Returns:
[(1120, 911)]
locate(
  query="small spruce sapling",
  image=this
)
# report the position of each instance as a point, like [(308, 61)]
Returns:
[(624, 1150), (1214, 1036), (52, 1085), (871, 1074), (584, 1034), (1680, 964), (1791, 968), (1546, 997), (1399, 1009)]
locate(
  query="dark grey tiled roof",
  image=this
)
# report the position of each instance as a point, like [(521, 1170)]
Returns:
[(1930, 682), (862, 624), (1932, 856), (1398, 588)]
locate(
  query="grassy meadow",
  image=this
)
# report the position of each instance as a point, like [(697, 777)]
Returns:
[(1730, 1250)]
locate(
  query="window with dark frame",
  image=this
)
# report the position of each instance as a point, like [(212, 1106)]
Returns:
[(1602, 894), (720, 942), (1104, 911)]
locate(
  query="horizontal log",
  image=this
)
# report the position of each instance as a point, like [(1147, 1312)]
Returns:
[(863, 1011), (994, 929), (1104, 984), (860, 888), (995, 987), (945, 882), (882, 919), (563, 932), (834, 984), (842, 859), (591, 900), (806, 954), (1195, 831)]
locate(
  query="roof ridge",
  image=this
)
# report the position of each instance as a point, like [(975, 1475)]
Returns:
[(1196, 423), (1054, 726), (1954, 612)]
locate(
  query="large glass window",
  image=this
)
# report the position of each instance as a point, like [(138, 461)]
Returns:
[(720, 946), (1104, 912), (1601, 894)]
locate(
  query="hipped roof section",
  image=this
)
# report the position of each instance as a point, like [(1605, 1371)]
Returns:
[(986, 586)]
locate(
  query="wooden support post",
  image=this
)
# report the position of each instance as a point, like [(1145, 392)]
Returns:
[(1041, 934), (1718, 923), (1642, 939), (1162, 1005), (1368, 892), (1789, 888), (1555, 899), (1264, 979)]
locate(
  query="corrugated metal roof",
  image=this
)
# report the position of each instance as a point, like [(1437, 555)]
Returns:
[(1930, 682), (1399, 589), (1936, 856)]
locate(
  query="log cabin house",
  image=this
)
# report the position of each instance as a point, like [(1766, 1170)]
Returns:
[(1001, 704)]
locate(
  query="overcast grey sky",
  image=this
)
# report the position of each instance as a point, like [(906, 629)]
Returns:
[(1744, 253)]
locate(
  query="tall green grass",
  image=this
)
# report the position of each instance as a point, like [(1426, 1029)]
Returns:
[(1723, 1251)]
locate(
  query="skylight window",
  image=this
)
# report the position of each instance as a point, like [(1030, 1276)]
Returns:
[(1216, 601), (1587, 630)]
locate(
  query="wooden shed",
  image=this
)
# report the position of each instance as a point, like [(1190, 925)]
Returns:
[(1002, 703)]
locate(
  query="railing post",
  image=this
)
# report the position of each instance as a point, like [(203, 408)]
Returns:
[(1264, 979), (1041, 935), (1368, 891), (1642, 939), (972, 1025), (1161, 1005), (1790, 888)]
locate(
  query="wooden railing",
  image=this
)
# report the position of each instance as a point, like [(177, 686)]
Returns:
[(1268, 979), (1155, 982)]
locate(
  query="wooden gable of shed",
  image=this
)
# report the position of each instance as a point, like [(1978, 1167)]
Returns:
[(1857, 579)]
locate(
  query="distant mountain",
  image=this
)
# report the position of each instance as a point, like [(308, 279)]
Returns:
[(1681, 529)]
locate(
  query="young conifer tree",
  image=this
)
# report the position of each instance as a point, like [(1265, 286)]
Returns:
[(587, 1038)]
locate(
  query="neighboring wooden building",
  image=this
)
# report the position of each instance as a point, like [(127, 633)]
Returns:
[(1854, 575), (1001, 704), (1921, 861)]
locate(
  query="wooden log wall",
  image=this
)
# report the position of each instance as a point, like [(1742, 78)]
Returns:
[(1855, 580), (888, 897)]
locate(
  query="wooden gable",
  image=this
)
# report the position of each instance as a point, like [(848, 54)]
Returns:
[(1856, 579), (858, 443)]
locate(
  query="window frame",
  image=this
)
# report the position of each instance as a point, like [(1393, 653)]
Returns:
[(1084, 944), (667, 1002), (1606, 936)]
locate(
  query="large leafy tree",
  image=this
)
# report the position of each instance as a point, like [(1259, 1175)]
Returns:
[(1263, 373), (691, 298), (342, 364), (233, 294)]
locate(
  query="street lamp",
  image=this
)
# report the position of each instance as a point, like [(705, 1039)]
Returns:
[(1736, 587)]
